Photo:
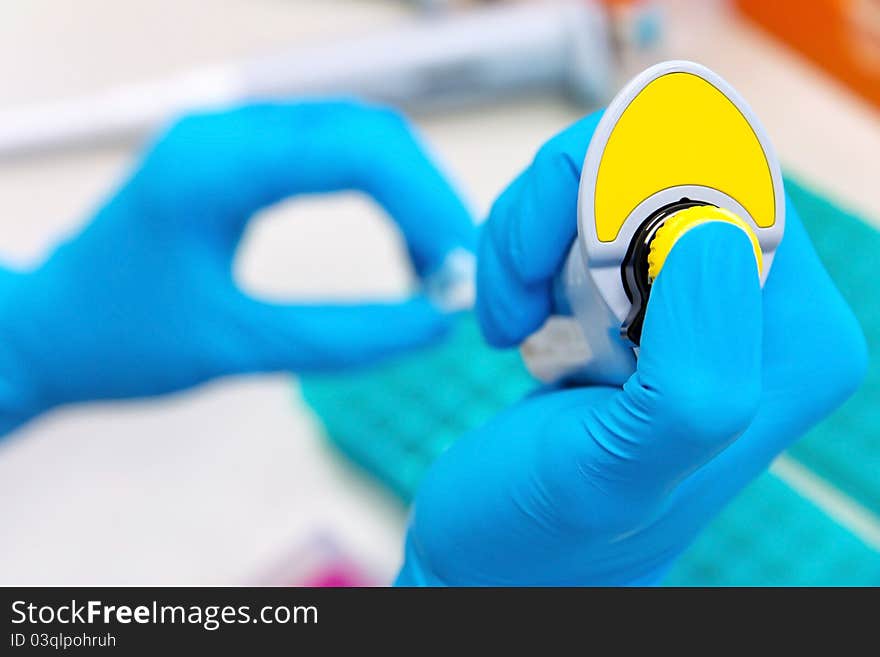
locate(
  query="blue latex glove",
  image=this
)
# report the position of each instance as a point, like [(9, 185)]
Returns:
[(605, 485), (143, 301)]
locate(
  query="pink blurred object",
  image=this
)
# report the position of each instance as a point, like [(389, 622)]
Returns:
[(317, 562), (338, 575)]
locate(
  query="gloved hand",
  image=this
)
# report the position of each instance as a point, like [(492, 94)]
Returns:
[(596, 486), (143, 301)]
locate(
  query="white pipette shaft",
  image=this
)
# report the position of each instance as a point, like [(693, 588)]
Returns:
[(457, 58)]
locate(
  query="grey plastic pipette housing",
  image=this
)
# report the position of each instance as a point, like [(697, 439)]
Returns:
[(582, 342)]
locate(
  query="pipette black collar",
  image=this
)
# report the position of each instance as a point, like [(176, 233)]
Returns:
[(634, 268)]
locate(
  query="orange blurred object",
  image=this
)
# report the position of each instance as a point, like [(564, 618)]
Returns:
[(842, 36)]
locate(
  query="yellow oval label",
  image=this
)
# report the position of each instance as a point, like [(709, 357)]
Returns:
[(681, 130)]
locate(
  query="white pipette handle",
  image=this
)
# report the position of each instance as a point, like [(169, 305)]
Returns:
[(430, 62)]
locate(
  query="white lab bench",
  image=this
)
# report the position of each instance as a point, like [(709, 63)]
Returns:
[(216, 485)]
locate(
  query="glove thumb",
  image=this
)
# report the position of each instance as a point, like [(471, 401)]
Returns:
[(267, 337), (697, 383)]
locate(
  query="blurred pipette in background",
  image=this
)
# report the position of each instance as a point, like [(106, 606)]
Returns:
[(454, 58)]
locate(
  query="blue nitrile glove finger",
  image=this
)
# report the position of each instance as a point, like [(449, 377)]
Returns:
[(143, 300), (550, 492), (527, 238), (508, 479), (222, 167)]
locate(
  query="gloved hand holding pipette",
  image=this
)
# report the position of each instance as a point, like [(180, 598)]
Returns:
[(606, 485), (143, 301)]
